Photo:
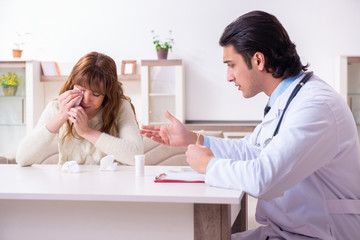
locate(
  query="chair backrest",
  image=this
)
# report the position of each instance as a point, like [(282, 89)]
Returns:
[(155, 153), (51, 155)]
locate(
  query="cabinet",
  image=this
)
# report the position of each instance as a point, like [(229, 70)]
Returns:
[(20, 113), (162, 88), (349, 84)]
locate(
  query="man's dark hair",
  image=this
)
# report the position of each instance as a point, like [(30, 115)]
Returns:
[(259, 31)]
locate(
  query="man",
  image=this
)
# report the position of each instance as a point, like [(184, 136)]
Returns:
[(302, 162)]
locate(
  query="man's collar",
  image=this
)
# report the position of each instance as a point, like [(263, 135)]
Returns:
[(283, 85)]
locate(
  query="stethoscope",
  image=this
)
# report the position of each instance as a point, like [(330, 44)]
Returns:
[(292, 95)]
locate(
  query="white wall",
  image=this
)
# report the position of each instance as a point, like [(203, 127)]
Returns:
[(63, 31)]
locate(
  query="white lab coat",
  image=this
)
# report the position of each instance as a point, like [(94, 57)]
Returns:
[(307, 179)]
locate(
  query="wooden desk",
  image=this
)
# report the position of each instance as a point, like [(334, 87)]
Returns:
[(41, 202)]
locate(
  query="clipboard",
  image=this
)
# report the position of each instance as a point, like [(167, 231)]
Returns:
[(180, 177)]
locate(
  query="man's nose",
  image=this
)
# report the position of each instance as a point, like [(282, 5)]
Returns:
[(230, 76)]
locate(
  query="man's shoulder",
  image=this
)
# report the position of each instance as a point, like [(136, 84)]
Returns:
[(318, 89)]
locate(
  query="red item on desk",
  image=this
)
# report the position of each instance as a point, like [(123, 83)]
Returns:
[(176, 181), (180, 177)]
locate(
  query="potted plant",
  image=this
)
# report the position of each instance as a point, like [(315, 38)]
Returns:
[(162, 47), (19, 43), (10, 82)]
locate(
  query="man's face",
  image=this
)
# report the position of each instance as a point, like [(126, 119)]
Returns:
[(247, 80)]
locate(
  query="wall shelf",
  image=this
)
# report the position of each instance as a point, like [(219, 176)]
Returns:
[(13, 97), (12, 125), (130, 77), (62, 78), (161, 95), (161, 63), (12, 64)]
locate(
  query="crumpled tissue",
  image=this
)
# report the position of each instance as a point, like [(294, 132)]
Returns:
[(107, 163), (70, 167)]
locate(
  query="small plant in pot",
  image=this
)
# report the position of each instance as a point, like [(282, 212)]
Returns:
[(10, 82), (162, 47), (19, 43)]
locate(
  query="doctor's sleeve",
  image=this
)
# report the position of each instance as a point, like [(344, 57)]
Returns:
[(292, 155)]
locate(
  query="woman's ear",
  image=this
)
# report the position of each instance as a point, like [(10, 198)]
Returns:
[(259, 61)]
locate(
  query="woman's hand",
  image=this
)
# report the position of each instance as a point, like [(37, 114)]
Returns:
[(175, 134), (65, 101), (79, 118)]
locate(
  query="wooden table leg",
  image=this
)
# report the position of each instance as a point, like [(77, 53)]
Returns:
[(212, 222), (241, 222)]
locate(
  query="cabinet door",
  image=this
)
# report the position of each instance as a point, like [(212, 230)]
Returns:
[(158, 104), (353, 84), (13, 110), (162, 89), (348, 84)]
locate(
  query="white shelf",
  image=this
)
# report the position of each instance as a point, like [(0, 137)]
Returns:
[(159, 123), (12, 125), (161, 95), (13, 64), (12, 97), (62, 78)]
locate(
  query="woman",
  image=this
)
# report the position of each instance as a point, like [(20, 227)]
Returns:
[(104, 122)]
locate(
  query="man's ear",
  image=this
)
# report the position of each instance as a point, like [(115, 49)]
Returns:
[(259, 61)]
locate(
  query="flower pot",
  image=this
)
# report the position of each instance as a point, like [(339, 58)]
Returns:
[(162, 53), (17, 53), (9, 90)]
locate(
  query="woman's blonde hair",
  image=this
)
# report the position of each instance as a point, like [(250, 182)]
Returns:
[(97, 72)]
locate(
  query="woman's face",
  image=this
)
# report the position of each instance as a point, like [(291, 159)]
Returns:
[(91, 101)]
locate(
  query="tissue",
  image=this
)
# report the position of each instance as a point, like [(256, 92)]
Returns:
[(70, 167), (107, 163)]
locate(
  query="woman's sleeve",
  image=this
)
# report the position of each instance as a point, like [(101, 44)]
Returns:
[(129, 142), (35, 144)]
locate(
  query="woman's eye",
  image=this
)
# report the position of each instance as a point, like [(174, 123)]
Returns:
[(96, 95)]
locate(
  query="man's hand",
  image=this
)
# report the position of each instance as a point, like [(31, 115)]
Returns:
[(198, 157), (175, 134)]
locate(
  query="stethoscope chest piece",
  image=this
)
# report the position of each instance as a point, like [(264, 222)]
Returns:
[(267, 141)]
